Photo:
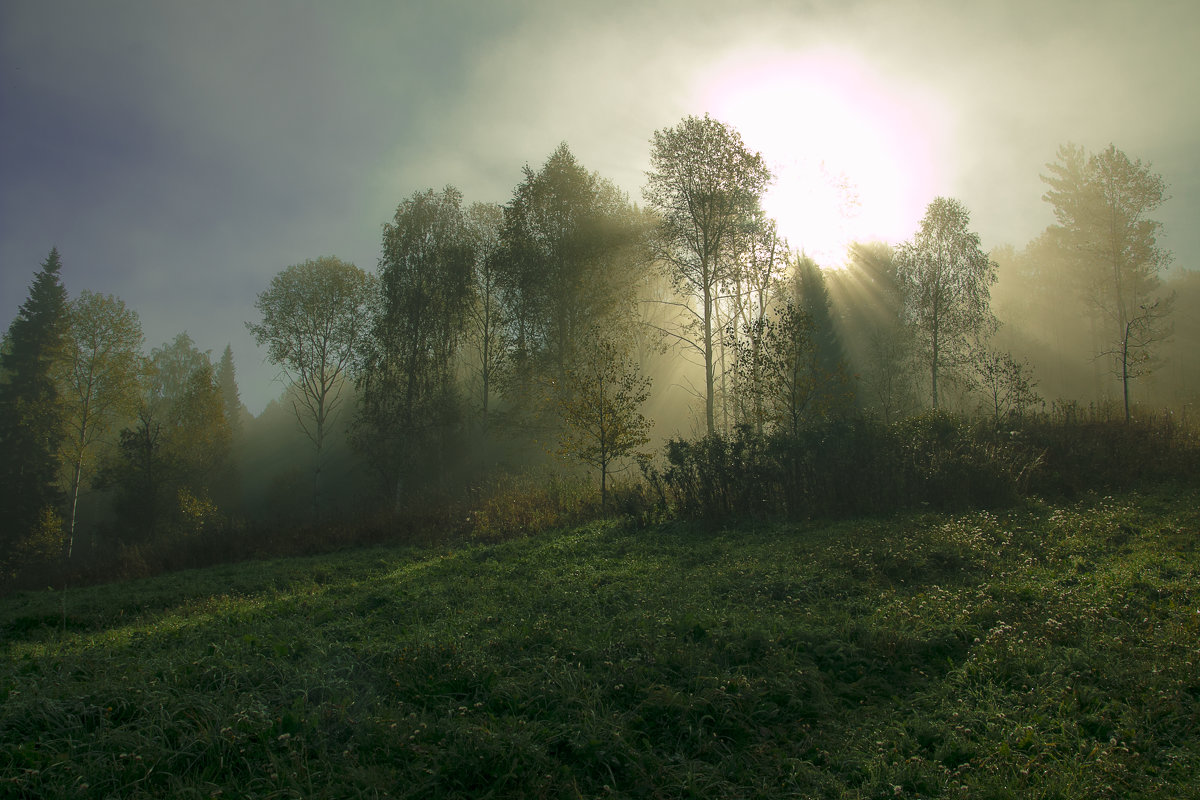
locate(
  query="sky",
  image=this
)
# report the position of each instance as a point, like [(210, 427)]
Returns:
[(179, 154)]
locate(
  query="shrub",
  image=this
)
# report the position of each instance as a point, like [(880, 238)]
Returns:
[(842, 467)]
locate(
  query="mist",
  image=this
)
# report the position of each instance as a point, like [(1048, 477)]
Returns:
[(188, 157)]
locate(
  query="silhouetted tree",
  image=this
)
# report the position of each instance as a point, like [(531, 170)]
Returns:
[(873, 332), (706, 187), (231, 397), (571, 246), (409, 400), (779, 364), (944, 278), (1007, 385), (1102, 203), (599, 399), (314, 317), (812, 298), (31, 417), (486, 330)]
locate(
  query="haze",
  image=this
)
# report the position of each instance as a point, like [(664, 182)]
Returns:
[(179, 154)]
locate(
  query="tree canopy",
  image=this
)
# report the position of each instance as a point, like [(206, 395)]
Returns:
[(314, 317), (944, 278), (706, 187), (31, 417)]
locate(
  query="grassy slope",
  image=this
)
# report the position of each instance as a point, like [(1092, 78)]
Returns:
[(1045, 652)]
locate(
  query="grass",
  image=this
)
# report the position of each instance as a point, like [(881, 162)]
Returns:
[(1046, 652)]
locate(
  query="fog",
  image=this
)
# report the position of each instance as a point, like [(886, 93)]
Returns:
[(180, 156)]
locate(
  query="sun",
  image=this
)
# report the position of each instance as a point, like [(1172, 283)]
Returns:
[(852, 157)]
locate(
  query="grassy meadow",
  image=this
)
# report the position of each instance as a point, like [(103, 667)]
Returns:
[(1049, 651)]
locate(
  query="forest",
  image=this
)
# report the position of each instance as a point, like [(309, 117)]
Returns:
[(575, 354)]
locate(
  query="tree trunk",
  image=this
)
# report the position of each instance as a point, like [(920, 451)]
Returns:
[(708, 361), (934, 373), (75, 479), (320, 458), (1125, 369)]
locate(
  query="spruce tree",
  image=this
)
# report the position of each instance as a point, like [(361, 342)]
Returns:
[(230, 396), (31, 425), (813, 301)]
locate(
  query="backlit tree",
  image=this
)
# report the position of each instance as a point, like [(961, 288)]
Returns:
[(706, 187), (944, 278)]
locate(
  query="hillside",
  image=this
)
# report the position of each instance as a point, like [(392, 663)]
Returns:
[(1049, 651)]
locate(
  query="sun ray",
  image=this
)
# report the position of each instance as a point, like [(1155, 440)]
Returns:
[(853, 159)]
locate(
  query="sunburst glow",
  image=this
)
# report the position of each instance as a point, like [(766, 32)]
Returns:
[(853, 161)]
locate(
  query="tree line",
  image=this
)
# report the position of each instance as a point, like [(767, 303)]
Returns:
[(492, 337)]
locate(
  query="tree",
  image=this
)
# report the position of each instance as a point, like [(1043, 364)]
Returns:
[(811, 294), (779, 364), (486, 328), (879, 343), (409, 398), (31, 421), (944, 279), (101, 381), (571, 244), (314, 316), (706, 188), (231, 398), (171, 368), (175, 459), (746, 294), (1007, 385), (1131, 354), (598, 401), (1102, 203)]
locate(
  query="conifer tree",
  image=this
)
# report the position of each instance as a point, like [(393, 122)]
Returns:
[(31, 426), (230, 396), (812, 299)]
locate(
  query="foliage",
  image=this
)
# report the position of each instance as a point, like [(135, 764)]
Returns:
[(179, 446), (1102, 202), (31, 420), (1094, 449), (599, 401), (486, 332), (1007, 386), (780, 368), (706, 188), (314, 318), (409, 409), (516, 506), (231, 399), (101, 383), (571, 256), (1043, 651), (569, 240), (842, 467), (944, 279)]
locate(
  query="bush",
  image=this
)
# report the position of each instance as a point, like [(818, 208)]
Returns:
[(842, 467)]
